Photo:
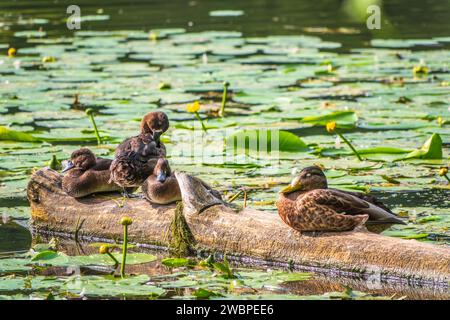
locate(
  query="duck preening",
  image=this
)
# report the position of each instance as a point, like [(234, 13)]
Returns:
[(162, 186), (136, 157), (86, 174), (307, 204), (148, 142)]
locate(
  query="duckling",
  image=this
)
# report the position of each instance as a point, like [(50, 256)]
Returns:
[(307, 204), (162, 186), (87, 174), (147, 142)]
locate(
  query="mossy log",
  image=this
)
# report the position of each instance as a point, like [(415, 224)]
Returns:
[(249, 234)]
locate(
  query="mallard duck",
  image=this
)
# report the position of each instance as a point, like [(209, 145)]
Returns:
[(147, 142), (307, 204), (87, 174), (162, 186)]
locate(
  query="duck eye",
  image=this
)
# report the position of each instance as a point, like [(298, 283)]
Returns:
[(308, 175)]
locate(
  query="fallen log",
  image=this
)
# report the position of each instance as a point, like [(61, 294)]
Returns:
[(249, 234)]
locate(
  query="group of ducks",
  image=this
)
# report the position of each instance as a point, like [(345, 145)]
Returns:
[(139, 162), (307, 204)]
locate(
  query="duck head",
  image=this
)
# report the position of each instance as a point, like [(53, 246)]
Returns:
[(81, 159), (162, 170), (310, 178), (155, 123)]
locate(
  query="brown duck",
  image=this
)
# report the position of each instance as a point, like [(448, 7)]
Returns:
[(136, 157), (87, 174), (147, 142), (307, 204), (162, 186)]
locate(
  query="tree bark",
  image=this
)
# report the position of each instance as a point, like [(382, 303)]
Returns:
[(249, 234)]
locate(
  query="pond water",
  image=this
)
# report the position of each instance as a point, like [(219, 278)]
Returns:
[(291, 65)]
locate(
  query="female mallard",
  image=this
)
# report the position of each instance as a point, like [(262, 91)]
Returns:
[(307, 204), (86, 174), (162, 186), (147, 142)]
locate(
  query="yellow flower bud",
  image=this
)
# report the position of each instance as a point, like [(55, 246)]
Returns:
[(103, 249), (420, 70), (331, 126), (193, 107), (12, 52), (443, 171), (48, 59), (440, 121), (153, 36), (126, 221)]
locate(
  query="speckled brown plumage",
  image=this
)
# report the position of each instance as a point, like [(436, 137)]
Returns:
[(136, 157), (309, 205), (88, 175), (130, 169), (162, 186)]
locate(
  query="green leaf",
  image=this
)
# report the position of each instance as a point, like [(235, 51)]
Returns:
[(265, 141), (14, 135), (201, 293), (431, 149), (341, 118), (177, 262)]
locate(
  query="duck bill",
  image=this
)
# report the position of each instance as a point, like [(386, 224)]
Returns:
[(69, 166), (291, 188), (161, 177), (156, 135)]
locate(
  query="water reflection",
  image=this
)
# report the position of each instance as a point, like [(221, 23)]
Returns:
[(14, 237)]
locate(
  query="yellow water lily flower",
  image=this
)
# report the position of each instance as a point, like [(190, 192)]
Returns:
[(12, 52), (193, 107), (443, 171), (440, 121), (48, 59), (153, 36), (331, 126), (420, 70)]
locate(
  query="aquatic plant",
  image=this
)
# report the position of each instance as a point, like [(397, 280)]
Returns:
[(90, 114), (443, 173), (125, 222), (224, 98), (332, 128), (194, 108)]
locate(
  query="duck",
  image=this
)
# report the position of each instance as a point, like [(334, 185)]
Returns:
[(162, 186), (130, 169), (136, 157), (86, 174), (307, 204), (147, 142)]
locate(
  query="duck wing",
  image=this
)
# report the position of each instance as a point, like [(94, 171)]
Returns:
[(355, 204), (370, 199)]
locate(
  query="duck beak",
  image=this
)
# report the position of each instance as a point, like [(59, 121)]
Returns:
[(156, 135), (69, 165), (161, 177), (295, 185)]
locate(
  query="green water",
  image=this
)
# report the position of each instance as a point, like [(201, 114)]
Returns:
[(282, 69)]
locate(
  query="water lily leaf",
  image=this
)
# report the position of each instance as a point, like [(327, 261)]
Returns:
[(14, 135), (226, 13), (431, 149), (178, 262), (340, 117), (265, 141)]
